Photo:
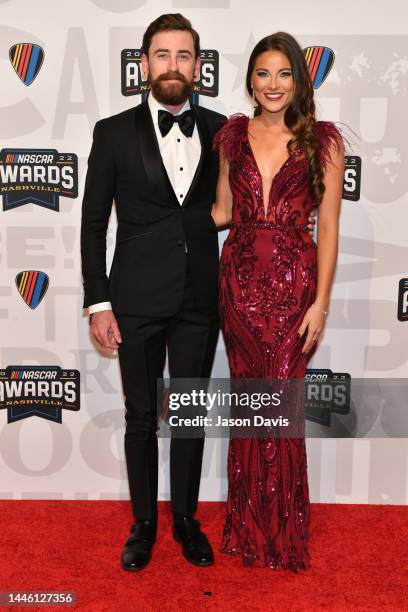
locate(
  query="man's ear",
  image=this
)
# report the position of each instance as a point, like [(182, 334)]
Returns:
[(145, 67), (197, 69)]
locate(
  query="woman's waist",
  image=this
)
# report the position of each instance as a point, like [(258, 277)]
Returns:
[(268, 225)]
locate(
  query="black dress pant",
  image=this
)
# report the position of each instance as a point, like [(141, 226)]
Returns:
[(191, 339)]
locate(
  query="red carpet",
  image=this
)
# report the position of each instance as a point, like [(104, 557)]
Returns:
[(359, 561)]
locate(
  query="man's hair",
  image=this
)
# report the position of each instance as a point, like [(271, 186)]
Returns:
[(167, 23)]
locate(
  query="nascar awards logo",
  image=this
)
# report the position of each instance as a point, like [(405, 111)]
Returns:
[(132, 83), (208, 83), (403, 300), (42, 391), (327, 392), (37, 176), (131, 74), (352, 178), (26, 59), (32, 285)]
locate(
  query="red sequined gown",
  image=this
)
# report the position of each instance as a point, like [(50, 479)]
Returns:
[(268, 272)]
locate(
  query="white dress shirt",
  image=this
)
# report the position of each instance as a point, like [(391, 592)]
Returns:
[(180, 156)]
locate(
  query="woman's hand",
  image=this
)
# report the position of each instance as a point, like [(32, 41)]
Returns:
[(221, 216), (314, 322), (311, 222)]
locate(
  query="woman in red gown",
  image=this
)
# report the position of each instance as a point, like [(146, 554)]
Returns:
[(275, 285)]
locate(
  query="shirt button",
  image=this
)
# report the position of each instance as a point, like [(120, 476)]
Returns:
[(181, 195), (178, 139), (180, 243), (181, 169)]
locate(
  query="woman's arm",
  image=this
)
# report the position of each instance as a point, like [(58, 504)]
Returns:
[(327, 246), (328, 227), (222, 207)]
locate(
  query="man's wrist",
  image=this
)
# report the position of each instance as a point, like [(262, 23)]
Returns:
[(99, 307)]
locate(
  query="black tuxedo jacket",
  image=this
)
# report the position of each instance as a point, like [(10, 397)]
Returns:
[(148, 269)]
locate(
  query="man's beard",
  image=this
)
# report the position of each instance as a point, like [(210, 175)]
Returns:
[(171, 93)]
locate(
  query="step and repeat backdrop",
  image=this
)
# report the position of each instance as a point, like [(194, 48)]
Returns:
[(66, 65)]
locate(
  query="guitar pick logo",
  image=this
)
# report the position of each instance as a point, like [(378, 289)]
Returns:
[(32, 285), (319, 61), (26, 59)]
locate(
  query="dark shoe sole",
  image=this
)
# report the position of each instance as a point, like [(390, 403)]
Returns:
[(197, 563), (134, 569)]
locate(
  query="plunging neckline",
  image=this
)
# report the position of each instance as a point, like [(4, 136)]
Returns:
[(265, 210)]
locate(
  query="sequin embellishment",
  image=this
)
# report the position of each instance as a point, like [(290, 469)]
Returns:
[(268, 272)]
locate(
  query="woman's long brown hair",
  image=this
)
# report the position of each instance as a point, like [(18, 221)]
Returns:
[(300, 115)]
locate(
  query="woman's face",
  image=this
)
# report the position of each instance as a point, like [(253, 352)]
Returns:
[(272, 81)]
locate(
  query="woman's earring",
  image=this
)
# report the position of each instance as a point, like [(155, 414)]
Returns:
[(253, 96)]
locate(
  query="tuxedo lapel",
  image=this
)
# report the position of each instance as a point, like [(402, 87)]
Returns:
[(150, 153), (205, 140)]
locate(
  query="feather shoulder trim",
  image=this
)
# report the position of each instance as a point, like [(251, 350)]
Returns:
[(229, 139), (329, 137)]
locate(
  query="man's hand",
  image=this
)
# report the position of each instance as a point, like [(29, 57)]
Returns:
[(105, 329), (311, 222)]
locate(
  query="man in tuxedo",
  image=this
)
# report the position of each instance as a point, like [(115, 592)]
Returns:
[(156, 162)]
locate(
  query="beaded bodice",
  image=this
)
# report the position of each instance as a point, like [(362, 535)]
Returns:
[(290, 200)]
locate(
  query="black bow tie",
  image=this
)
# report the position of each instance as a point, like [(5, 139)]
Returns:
[(185, 120)]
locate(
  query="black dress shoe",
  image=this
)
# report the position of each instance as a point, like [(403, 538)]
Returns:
[(137, 551), (196, 547)]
